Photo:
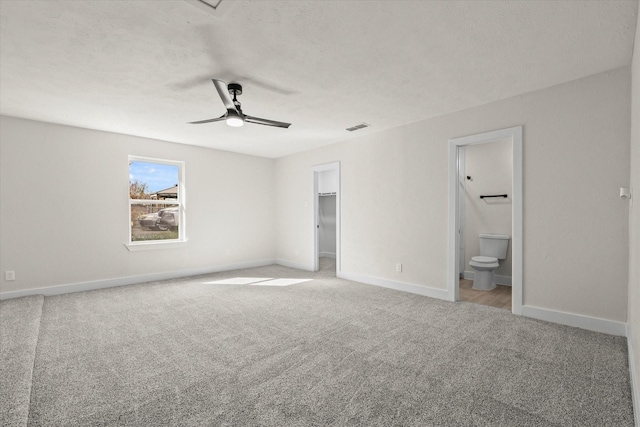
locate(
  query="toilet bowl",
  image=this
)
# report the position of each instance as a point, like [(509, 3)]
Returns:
[(484, 267), (492, 248)]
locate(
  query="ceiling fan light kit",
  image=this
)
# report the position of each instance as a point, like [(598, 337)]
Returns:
[(234, 115), (234, 120)]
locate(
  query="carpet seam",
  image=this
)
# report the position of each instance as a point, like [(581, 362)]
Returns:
[(33, 366)]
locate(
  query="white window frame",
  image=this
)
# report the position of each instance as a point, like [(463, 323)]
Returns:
[(181, 202)]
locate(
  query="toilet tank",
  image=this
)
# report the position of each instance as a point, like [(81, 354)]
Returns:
[(494, 245)]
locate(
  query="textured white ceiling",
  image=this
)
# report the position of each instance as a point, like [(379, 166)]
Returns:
[(144, 67)]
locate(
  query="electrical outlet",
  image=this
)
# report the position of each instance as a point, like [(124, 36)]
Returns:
[(399, 268), (9, 275)]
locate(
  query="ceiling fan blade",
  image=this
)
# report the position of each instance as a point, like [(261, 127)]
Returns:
[(208, 121), (223, 91), (266, 122)]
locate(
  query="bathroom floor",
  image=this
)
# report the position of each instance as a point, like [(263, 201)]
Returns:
[(499, 297)]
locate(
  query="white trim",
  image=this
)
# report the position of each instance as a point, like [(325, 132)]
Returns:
[(316, 170), (147, 159), (462, 204), (453, 289), (392, 284), (595, 324), (517, 240), (131, 280), (155, 245), (500, 280), (293, 264), (635, 387), (515, 134)]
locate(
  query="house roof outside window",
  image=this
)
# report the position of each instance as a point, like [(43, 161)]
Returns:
[(169, 193)]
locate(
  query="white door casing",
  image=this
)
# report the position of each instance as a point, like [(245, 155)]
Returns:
[(453, 264), (317, 170)]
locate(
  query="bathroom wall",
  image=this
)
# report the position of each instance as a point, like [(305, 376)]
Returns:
[(490, 167)]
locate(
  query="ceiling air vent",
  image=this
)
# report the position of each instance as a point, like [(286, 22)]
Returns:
[(358, 127), (207, 5)]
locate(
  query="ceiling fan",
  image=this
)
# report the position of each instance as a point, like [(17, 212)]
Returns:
[(234, 115)]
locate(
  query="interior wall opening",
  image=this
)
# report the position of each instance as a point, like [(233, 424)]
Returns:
[(485, 218), (326, 194), (485, 194)]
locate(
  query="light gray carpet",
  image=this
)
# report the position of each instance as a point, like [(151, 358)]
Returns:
[(19, 328), (327, 352)]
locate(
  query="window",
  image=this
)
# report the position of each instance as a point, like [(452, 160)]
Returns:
[(156, 202)]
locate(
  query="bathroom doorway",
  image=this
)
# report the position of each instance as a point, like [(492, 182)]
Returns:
[(326, 242), (496, 210)]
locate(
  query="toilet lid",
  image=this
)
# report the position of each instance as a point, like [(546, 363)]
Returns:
[(484, 259)]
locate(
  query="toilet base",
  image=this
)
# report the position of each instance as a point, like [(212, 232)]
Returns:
[(483, 280)]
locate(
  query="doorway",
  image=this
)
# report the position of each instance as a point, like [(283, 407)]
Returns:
[(326, 218), (457, 179)]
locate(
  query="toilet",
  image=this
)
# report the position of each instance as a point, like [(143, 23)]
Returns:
[(492, 248)]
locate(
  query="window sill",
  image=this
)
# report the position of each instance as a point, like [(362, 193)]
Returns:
[(149, 246)]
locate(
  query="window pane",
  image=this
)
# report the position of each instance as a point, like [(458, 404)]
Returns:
[(149, 180), (154, 222)]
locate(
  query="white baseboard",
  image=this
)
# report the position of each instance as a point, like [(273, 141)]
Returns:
[(500, 280), (595, 324), (131, 280), (292, 264), (392, 284), (635, 387), (327, 255)]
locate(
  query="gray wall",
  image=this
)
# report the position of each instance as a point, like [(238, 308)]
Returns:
[(63, 200), (327, 183), (394, 194), (327, 223), (64, 206)]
